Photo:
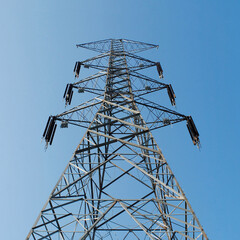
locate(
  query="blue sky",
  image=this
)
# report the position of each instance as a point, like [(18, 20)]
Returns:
[(199, 51)]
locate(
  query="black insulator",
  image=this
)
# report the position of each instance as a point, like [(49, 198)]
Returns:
[(50, 129), (70, 87), (75, 67), (172, 90), (192, 130), (70, 98), (45, 130), (52, 136), (159, 69), (67, 99), (193, 126), (69, 93), (65, 91), (77, 70), (171, 94)]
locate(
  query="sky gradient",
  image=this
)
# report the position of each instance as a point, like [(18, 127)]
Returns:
[(199, 51)]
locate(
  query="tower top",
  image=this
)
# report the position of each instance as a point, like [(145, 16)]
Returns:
[(104, 46)]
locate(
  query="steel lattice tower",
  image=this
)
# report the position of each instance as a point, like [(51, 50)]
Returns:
[(117, 184)]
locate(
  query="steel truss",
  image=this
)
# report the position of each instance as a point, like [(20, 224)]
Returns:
[(117, 184)]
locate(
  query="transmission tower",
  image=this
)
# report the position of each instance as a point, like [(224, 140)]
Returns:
[(117, 185)]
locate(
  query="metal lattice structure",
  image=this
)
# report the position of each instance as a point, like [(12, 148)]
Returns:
[(117, 185)]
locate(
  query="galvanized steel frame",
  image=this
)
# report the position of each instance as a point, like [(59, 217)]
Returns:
[(118, 145)]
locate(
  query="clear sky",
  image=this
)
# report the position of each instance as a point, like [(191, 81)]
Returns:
[(199, 51)]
